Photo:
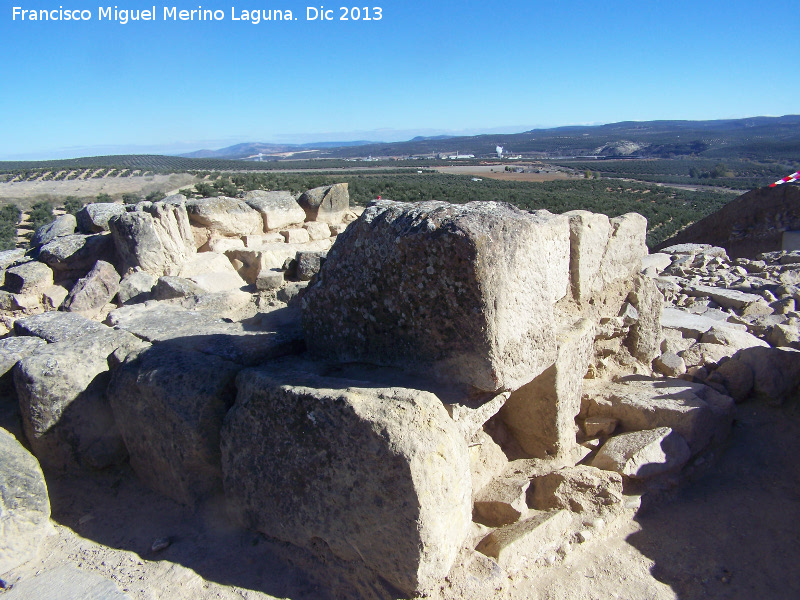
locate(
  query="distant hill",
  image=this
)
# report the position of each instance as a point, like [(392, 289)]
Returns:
[(751, 138), (752, 223), (246, 150)]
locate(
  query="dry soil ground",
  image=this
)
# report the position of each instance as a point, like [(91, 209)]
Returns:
[(24, 193), (731, 533)]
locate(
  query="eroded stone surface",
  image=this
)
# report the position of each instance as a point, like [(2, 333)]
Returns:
[(380, 474), (461, 292)]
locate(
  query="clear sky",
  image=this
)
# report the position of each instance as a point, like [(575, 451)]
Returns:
[(93, 87)]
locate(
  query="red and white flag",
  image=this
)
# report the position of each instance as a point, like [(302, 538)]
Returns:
[(788, 179)]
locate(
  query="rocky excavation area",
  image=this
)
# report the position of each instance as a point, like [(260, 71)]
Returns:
[(273, 396)]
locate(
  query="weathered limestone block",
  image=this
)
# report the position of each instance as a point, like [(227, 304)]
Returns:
[(270, 256), (695, 411), (269, 279), (318, 230), (279, 210), (328, 204), (460, 292), (644, 340), (65, 414), (656, 261), (541, 414), (279, 333), (9, 257), (170, 403), (12, 350), (156, 237), (381, 475), (691, 325), (53, 297), (136, 287), (486, 460), (63, 225), (28, 278), (736, 376), (588, 233), (625, 249), (776, 371), (24, 504), (212, 272), (94, 291), (670, 364), (73, 256), (93, 218), (295, 236), (227, 217), (502, 502), (643, 454), (515, 545), (222, 245), (581, 489), (168, 288)]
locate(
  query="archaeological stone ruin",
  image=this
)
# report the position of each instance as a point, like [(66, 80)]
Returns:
[(414, 399)]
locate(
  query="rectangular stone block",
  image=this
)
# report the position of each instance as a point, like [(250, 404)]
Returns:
[(464, 293), (541, 414)]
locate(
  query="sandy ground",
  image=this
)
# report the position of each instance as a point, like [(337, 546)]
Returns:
[(90, 188), (732, 533)]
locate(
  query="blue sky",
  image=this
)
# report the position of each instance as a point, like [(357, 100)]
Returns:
[(77, 88)]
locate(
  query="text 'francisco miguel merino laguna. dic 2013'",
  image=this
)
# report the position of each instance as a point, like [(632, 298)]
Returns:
[(173, 13)]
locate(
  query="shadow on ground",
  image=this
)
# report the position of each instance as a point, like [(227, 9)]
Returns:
[(735, 531)]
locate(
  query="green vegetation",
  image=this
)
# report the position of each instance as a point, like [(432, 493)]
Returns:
[(735, 174), (10, 216), (155, 196), (131, 198), (41, 214), (667, 210), (103, 197), (72, 204)]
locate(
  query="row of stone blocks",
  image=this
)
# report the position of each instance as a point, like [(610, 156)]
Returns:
[(377, 465)]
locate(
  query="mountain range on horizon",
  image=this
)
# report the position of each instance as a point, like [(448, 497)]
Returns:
[(660, 138)]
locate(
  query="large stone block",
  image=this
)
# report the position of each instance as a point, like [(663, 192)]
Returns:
[(28, 278), (695, 411), (169, 403), (156, 237), (24, 504), (93, 218), (65, 414), (223, 216), (541, 414), (626, 247), (644, 340), (328, 204), (91, 293), (73, 256), (380, 475), (278, 209), (63, 225), (588, 233), (461, 292)]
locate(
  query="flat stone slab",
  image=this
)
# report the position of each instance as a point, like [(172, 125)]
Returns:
[(66, 583), (727, 298), (158, 322), (525, 540), (692, 325)]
